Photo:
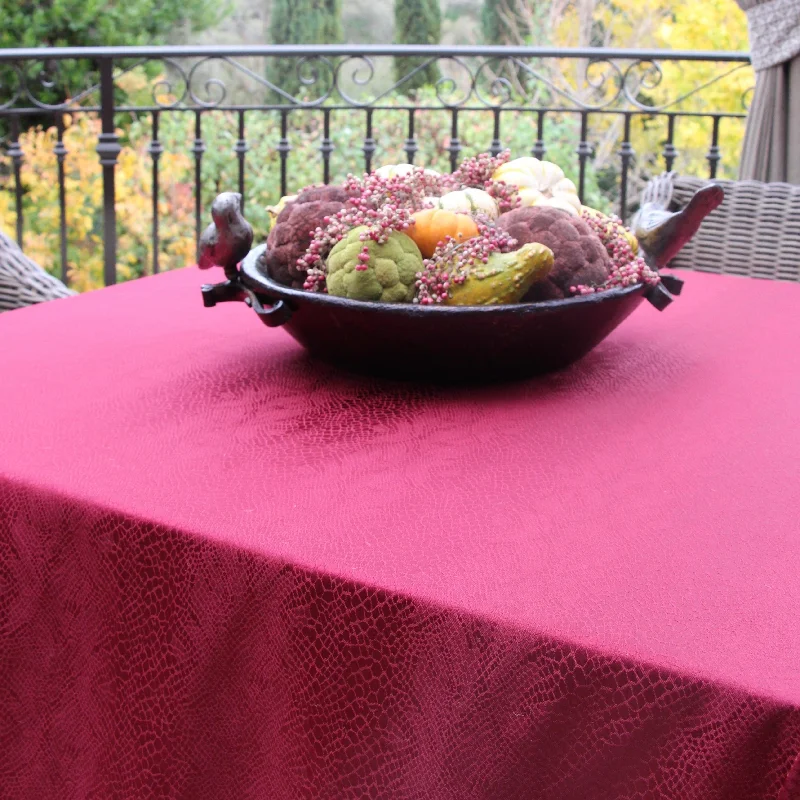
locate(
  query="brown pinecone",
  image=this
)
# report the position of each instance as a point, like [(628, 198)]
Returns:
[(580, 257), (291, 235)]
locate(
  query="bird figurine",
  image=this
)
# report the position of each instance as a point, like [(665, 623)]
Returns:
[(228, 239), (661, 232)]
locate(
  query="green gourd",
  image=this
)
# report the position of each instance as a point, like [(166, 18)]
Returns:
[(505, 279), (390, 275)]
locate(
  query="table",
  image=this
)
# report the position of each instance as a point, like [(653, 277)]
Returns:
[(230, 572)]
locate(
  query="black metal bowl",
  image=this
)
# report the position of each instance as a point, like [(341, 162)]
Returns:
[(472, 343)]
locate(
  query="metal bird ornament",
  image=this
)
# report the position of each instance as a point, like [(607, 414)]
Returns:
[(228, 239), (661, 232)]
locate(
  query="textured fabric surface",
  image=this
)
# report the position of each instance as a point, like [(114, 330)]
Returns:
[(227, 571), (774, 30)]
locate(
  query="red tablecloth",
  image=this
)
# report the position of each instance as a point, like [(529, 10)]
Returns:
[(227, 571)]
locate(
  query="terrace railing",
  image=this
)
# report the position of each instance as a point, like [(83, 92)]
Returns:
[(604, 92)]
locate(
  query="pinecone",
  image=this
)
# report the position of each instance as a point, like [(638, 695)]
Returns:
[(291, 235), (580, 258)]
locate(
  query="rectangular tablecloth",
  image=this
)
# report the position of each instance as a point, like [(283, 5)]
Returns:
[(228, 571)]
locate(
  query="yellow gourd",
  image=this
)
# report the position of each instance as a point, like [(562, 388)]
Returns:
[(505, 279)]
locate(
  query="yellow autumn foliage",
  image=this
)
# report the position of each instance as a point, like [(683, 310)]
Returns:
[(83, 181), (666, 25)]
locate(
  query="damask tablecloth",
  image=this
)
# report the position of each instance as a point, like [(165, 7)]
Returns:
[(227, 571)]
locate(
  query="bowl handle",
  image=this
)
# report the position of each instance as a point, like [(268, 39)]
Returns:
[(272, 315)]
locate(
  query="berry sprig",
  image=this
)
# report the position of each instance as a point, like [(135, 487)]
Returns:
[(506, 195), (453, 261), (477, 171), (382, 205), (627, 268)]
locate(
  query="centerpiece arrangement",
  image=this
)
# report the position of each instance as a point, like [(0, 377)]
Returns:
[(496, 269), (495, 231)]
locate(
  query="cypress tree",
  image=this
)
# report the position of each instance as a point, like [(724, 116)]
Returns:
[(301, 22), (491, 23), (502, 23), (416, 22)]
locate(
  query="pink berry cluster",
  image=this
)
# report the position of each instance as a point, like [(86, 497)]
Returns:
[(382, 205), (476, 172), (405, 191), (452, 261), (506, 195), (627, 269)]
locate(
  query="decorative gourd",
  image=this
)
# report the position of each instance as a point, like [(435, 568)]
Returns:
[(291, 235), (273, 211), (533, 197), (506, 278), (394, 170), (580, 257), (433, 225), (366, 270), (467, 201), (540, 183)]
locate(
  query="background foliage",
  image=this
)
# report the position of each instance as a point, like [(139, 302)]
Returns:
[(301, 22), (87, 23), (673, 24), (417, 22)]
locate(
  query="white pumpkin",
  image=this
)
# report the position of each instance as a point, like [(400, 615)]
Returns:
[(539, 182), (467, 201), (533, 197), (393, 170)]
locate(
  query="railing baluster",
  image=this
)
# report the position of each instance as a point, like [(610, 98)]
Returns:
[(669, 152), (714, 154), (626, 153), (538, 146), (283, 149), (411, 141), (241, 148), (15, 154), (326, 148), (455, 144), (584, 151), (108, 149), (155, 150), (496, 147), (369, 143), (198, 148), (61, 153)]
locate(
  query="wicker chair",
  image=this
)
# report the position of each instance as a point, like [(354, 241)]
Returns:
[(22, 281), (755, 232)]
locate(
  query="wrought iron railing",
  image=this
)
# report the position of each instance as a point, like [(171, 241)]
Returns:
[(601, 90)]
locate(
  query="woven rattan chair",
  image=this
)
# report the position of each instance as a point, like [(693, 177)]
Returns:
[(755, 232), (23, 282)]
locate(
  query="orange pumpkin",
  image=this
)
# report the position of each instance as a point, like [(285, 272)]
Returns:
[(432, 225)]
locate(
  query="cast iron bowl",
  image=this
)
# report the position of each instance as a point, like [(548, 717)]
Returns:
[(461, 343)]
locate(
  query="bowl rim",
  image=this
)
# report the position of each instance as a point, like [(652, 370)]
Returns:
[(261, 283)]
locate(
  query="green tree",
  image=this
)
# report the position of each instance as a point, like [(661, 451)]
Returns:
[(416, 22), (302, 22), (86, 23), (495, 31)]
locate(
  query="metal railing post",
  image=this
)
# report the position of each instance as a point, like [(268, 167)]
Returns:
[(108, 149)]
